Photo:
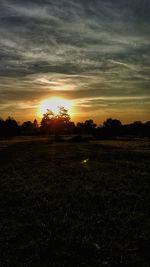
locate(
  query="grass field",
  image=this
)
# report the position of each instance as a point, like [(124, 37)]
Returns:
[(74, 204)]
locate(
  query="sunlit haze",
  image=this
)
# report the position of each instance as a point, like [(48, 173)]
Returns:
[(53, 104)]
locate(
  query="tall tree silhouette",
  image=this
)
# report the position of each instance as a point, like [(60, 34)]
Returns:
[(46, 122), (55, 123), (63, 115)]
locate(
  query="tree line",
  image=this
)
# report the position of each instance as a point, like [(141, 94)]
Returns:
[(58, 124)]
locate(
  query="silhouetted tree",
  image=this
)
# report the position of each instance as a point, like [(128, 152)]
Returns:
[(113, 123), (55, 124), (11, 127), (63, 115), (86, 127), (2, 127), (147, 129), (89, 126), (61, 124), (80, 127), (134, 129), (110, 128), (70, 127), (29, 128), (46, 122)]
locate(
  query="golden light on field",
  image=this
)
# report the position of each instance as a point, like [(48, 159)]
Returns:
[(53, 104)]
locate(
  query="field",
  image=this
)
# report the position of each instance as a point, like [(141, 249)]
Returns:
[(74, 204)]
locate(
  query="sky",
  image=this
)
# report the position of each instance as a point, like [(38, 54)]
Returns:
[(95, 53)]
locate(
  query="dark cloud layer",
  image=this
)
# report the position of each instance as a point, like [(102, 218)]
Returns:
[(88, 51)]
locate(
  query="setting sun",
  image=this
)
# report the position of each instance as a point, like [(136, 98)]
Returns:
[(54, 104)]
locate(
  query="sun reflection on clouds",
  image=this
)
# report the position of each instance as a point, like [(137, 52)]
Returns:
[(56, 83)]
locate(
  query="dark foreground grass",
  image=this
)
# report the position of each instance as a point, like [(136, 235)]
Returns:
[(70, 204)]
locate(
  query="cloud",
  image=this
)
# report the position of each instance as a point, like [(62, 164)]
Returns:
[(76, 49)]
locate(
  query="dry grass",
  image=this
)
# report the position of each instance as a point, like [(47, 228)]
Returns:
[(70, 204)]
